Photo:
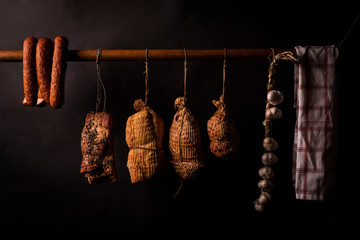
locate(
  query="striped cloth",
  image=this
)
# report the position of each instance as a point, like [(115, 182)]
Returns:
[(314, 152)]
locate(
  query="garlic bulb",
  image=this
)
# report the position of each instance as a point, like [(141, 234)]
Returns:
[(269, 158), (259, 206), (275, 97), (265, 185), (266, 172), (270, 144), (264, 198), (273, 113)]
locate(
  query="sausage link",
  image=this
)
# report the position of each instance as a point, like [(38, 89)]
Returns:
[(44, 51), (29, 71), (58, 72)]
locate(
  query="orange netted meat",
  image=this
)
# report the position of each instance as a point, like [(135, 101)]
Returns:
[(144, 137), (185, 142), (224, 140)]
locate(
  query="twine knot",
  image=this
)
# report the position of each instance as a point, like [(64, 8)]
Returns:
[(220, 104), (180, 103), (139, 105)]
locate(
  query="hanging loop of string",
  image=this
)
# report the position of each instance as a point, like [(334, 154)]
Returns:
[(224, 73), (100, 88), (146, 75), (185, 71)]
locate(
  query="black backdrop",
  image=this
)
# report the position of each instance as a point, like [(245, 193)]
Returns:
[(41, 189)]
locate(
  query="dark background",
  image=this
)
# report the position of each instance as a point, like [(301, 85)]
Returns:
[(41, 189)]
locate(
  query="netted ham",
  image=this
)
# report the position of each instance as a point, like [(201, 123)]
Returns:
[(185, 142), (144, 137), (224, 140), (97, 148)]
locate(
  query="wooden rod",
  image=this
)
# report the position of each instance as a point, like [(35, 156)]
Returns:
[(154, 54)]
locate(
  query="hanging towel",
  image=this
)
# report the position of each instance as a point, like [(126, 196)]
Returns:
[(314, 152)]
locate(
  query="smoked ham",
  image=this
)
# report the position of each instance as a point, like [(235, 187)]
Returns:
[(144, 137), (185, 142), (97, 148)]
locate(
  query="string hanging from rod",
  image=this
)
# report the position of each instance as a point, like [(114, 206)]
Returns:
[(185, 73), (224, 74), (146, 76), (100, 88)]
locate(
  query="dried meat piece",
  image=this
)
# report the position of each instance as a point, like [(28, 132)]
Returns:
[(58, 70), (29, 71), (224, 140), (97, 148), (185, 142), (144, 136), (44, 51)]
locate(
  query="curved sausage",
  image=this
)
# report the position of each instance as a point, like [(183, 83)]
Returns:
[(44, 49), (58, 72), (29, 72)]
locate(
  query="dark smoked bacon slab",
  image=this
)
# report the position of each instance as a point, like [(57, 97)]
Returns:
[(97, 148)]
